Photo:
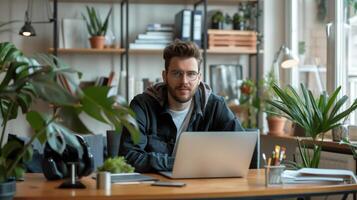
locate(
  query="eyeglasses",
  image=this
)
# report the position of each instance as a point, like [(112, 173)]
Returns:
[(191, 75)]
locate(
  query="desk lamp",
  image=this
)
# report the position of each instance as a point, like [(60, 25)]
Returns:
[(286, 59)]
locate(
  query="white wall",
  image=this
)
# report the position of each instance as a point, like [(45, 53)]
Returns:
[(144, 65)]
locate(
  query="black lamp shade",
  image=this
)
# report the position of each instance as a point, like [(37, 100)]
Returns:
[(27, 30)]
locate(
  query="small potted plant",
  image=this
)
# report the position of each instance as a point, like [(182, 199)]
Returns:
[(276, 123), (248, 104), (217, 20), (315, 115), (96, 28), (24, 81), (238, 21), (228, 21), (116, 165)]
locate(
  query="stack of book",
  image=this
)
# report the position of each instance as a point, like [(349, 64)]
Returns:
[(157, 36)]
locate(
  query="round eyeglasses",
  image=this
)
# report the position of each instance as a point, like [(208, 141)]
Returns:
[(190, 75)]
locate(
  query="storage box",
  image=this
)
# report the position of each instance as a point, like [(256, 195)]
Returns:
[(232, 40)]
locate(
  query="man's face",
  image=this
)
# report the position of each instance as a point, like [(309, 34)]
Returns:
[(182, 78)]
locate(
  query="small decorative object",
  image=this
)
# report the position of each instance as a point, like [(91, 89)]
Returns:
[(340, 132), (217, 20), (96, 28), (103, 180), (315, 116), (116, 165)]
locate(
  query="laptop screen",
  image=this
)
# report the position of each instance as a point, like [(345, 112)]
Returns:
[(214, 154)]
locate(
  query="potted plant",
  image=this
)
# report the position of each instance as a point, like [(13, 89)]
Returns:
[(228, 21), (116, 165), (25, 81), (217, 20), (238, 21), (248, 104), (276, 123), (96, 28), (315, 115)]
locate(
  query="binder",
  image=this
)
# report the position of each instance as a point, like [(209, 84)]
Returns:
[(197, 27), (183, 25)]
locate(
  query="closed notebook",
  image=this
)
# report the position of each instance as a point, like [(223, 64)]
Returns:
[(131, 177)]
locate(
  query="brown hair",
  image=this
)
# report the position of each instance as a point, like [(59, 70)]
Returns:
[(182, 49)]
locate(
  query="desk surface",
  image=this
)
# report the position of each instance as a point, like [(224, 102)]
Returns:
[(36, 187)]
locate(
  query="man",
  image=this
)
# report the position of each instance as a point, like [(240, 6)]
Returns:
[(181, 103)]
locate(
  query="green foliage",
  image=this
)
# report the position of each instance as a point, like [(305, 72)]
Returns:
[(217, 17), (116, 165), (316, 116), (95, 25), (24, 81), (268, 94), (237, 18), (249, 101)]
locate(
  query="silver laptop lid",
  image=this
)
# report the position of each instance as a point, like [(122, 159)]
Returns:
[(214, 154)]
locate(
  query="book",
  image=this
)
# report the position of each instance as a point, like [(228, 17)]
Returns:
[(197, 27), (167, 33), (140, 41), (127, 178), (313, 175), (159, 27), (146, 46), (153, 37), (183, 25), (130, 178)]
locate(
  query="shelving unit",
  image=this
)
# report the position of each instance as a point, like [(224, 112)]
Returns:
[(124, 52)]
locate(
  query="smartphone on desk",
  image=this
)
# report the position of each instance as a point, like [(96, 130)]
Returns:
[(168, 184)]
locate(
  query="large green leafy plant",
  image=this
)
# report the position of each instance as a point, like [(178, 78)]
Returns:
[(316, 116), (26, 81), (95, 25)]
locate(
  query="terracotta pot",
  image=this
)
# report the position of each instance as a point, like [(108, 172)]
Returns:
[(97, 42), (276, 125)]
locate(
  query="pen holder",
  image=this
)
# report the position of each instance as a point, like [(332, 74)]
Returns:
[(273, 175)]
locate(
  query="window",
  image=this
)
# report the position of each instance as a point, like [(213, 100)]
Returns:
[(327, 46)]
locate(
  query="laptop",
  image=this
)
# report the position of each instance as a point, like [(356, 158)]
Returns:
[(213, 154)]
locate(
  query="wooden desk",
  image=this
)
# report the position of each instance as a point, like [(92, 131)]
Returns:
[(36, 187)]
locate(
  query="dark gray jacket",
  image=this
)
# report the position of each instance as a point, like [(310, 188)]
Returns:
[(158, 131)]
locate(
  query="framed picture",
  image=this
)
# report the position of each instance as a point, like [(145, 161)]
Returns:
[(225, 80)]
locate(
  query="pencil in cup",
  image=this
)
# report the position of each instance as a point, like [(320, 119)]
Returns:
[(273, 174)]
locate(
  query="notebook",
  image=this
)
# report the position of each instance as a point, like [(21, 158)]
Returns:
[(213, 154)]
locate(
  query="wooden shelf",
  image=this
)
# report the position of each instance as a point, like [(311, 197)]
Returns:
[(139, 51), (327, 144), (163, 1), (146, 51), (89, 51), (232, 51), (209, 51)]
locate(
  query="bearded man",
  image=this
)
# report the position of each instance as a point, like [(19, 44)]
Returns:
[(180, 103)]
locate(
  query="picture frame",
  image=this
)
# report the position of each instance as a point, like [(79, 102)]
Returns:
[(225, 80)]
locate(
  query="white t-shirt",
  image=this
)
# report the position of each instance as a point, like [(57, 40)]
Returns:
[(178, 117), (181, 120)]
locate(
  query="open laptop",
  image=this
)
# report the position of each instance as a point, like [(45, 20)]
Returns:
[(213, 154)]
